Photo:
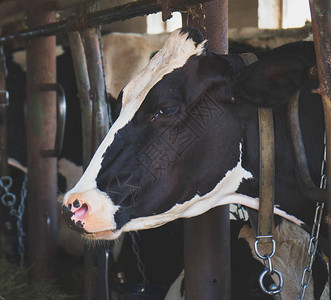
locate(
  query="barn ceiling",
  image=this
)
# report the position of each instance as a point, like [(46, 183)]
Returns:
[(13, 11), (13, 19)]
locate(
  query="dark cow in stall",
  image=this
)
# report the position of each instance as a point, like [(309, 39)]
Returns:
[(70, 160), (186, 140)]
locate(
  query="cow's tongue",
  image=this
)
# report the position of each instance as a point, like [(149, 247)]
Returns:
[(81, 211)]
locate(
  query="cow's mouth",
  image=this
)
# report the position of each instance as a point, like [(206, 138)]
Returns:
[(72, 221), (80, 213), (108, 234)]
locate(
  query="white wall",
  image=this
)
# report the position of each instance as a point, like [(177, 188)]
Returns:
[(156, 25), (283, 13), (295, 13)]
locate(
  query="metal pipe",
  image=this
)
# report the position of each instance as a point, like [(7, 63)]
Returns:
[(4, 168), (4, 102), (321, 14), (106, 16), (97, 283), (207, 237), (41, 127), (89, 79), (83, 86), (100, 122), (309, 189)]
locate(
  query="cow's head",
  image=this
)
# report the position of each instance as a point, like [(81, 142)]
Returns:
[(174, 151)]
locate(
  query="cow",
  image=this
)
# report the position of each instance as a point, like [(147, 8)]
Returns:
[(186, 140), (160, 117)]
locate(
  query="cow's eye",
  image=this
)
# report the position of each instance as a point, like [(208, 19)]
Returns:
[(168, 111), (165, 112)]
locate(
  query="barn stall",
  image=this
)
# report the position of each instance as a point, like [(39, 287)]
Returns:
[(36, 36)]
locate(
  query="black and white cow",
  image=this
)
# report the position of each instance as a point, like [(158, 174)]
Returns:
[(186, 139)]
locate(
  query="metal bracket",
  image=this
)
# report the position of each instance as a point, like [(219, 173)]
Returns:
[(4, 98), (60, 116)]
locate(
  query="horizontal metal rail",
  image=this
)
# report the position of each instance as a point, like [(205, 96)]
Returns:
[(106, 16)]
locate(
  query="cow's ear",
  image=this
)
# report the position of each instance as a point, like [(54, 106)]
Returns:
[(272, 81), (214, 77)]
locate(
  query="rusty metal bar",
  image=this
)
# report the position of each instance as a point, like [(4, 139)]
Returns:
[(83, 86), (321, 20), (100, 122), (96, 284), (41, 127), (106, 16), (207, 237), (95, 260)]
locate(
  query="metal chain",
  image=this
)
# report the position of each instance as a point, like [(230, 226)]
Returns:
[(140, 264), (269, 269), (313, 241), (20, 231), (242, 213), (9, 200)]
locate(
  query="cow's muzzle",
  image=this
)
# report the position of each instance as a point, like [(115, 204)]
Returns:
[(71, 222), (89, 212)]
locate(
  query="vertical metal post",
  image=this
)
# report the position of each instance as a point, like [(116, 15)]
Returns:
[(41, 127), (100, 127), (4, 169), (321, 16), (90, 82), (83, 86), (3, 116), (207, 237), (100, 122)]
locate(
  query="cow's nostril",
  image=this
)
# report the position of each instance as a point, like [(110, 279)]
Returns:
[(74, 224), (76, 203), (69, 206)]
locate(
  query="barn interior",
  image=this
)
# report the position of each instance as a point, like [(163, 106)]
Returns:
[(47, 44)]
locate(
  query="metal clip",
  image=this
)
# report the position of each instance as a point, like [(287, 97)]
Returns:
[(258, 241), (4, 98), (269, 269), (274, 290)]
